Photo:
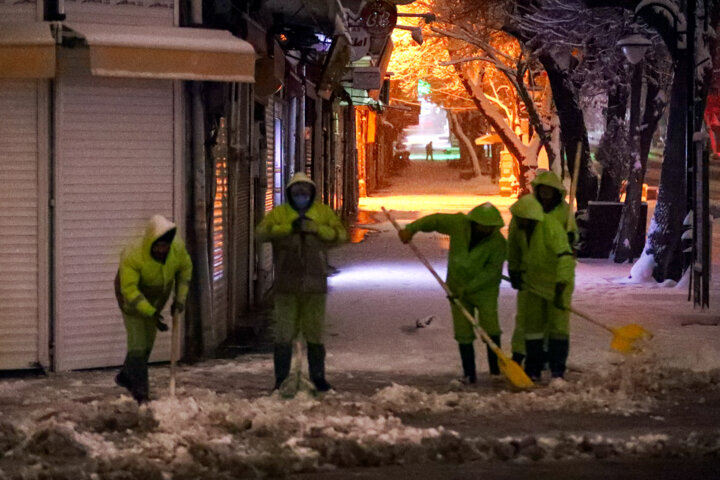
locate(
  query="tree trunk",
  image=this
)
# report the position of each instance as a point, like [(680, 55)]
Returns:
[(573, 129), (468, 143), (663, 241), (613, 149), (493, 116), (626, 238)]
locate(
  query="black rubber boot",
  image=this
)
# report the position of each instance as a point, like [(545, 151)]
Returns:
[(121, 379), (518, 358), (558, 352), (492, 358), (135, 375), (534, 359), (316, 366), (282, 357), (467, 357)]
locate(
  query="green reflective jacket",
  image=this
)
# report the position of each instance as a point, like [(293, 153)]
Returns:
[(301, 259), (546, 259), (143, 285), (473, 274)]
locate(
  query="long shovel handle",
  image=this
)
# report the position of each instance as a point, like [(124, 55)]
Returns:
[(571, 309), (573, 186), (445, 287), (174, 348)]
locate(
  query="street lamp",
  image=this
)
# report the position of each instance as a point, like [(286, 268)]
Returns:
[(634, 47), (415, 32)]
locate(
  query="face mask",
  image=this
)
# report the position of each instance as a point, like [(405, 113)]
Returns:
[(302, 201)]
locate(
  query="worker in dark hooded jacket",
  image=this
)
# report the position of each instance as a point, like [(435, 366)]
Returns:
[(149, 269), (542, 268), (475, 262), (301, 231)]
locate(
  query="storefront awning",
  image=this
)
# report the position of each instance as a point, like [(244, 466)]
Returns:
[(167, 52), (27, 50)]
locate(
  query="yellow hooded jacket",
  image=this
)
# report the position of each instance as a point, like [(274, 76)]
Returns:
[(546, 257), (143, 285)]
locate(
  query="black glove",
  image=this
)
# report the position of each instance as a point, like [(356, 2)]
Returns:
[(571, 238), (304, 225), (516, 279), (177, 308), (161, 326), (558, 302)]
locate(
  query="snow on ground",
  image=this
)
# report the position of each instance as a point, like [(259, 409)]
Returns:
[(397, 394)]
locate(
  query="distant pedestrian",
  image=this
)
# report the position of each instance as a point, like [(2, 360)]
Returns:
[(301, 231), (149, 269), (475, 263), (429, 152), (542, 268)]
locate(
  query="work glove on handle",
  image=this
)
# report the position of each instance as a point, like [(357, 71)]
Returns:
[(558, 301), (177, 308), (161, 326), (405, 235), (516, 279)]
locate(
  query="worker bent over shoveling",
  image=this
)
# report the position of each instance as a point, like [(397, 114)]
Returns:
[(301, 232), (542, 268), (148, 271), (475, 262)]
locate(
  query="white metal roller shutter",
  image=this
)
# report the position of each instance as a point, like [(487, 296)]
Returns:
[(148, 12), (114, 170), (18, 11), (19, 225)]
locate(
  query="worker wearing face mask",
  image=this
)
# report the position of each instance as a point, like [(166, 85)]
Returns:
[(301, 231)]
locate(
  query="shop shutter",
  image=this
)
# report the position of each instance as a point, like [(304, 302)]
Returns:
[(114, 170), (148, 12), (20, 204), (270, 161), (220, 234), (242, 237)]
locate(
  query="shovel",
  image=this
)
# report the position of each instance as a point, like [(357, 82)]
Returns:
[(624, 337), (510, 369), (174, 347), (296, 381)]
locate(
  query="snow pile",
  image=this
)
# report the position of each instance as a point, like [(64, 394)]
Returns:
[(642, 270), (628, 388), (203, 434)]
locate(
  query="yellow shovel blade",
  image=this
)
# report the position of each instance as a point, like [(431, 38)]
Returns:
[(624, 337), (514, 372)]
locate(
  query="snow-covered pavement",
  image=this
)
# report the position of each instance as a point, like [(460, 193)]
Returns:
[(397, 401)]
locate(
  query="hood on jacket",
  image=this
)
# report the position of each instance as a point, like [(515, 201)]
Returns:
[(300, 177), (158, 226), (486, 214), (551, 180), (528, 207)]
